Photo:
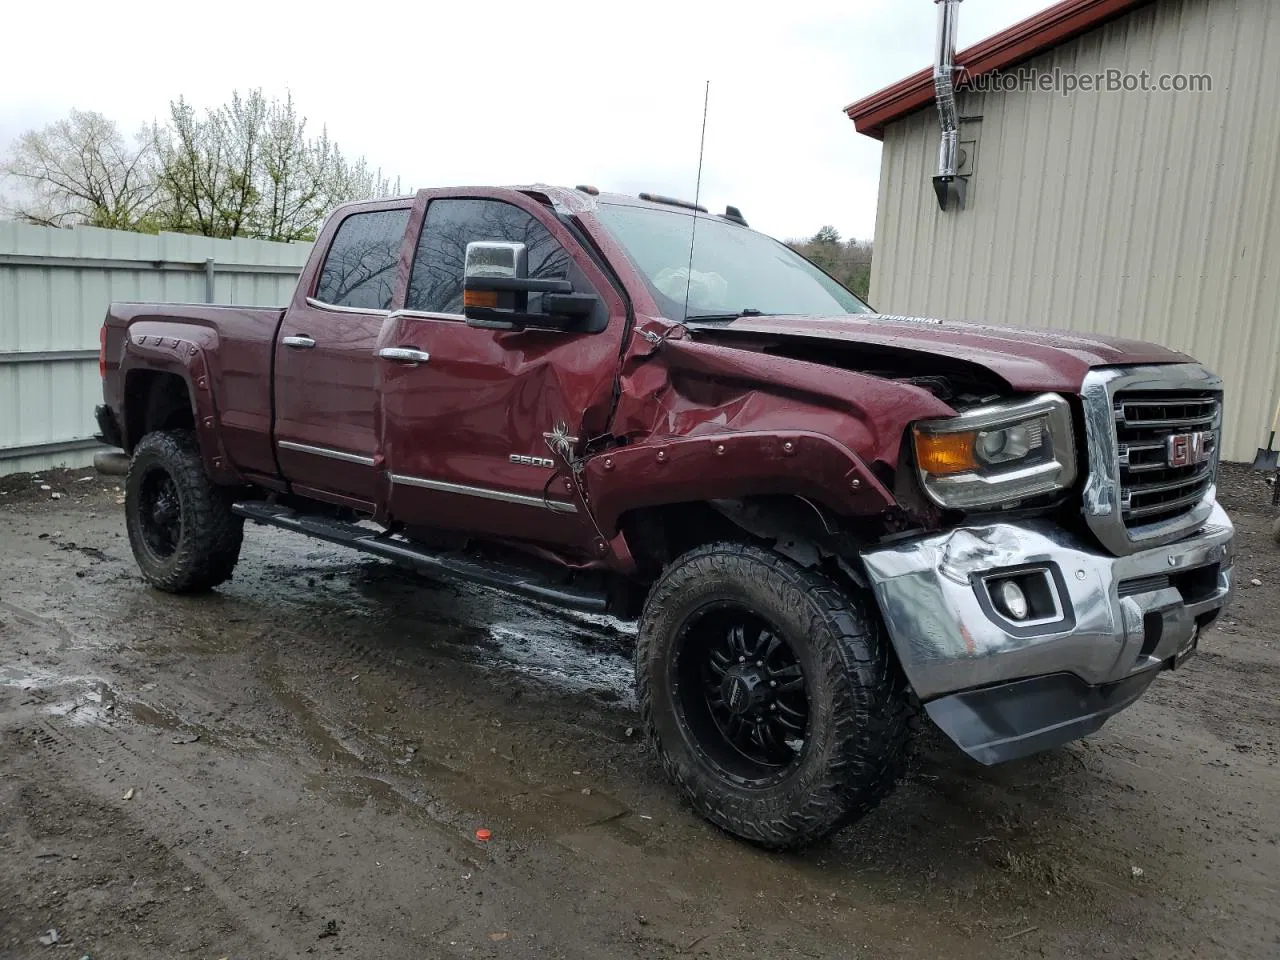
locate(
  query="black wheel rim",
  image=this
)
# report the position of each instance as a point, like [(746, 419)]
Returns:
[(742, 694), (159, 512)]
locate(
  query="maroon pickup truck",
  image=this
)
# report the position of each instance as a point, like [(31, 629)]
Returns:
[(822, 518)]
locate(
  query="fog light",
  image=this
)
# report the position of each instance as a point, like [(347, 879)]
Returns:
[(1012, 600)]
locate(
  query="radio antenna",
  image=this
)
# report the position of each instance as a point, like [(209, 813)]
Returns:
[(697, 197)]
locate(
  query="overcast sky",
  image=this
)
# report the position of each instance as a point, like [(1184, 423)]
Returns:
[(492, 91)]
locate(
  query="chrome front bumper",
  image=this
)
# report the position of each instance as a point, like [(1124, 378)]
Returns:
[(1122, 619)]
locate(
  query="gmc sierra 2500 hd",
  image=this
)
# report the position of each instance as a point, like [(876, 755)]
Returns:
[(822, 518)]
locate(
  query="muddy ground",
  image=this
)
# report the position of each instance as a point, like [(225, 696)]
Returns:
[(297, 765)]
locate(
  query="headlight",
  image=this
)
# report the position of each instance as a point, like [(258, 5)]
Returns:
[(998, 455)]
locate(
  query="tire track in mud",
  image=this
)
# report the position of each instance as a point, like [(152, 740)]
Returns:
[(127, 770), (249, 883), (120, 763), (458, 791), (304, 669), (568, 815), (40, 622), (962, 849), (591, 826), (172, 789)]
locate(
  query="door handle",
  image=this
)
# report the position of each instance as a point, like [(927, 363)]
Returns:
[(404, 355), (300, 343)]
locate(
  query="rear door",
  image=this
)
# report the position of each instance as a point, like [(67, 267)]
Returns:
[(479, 425), (325, 390)]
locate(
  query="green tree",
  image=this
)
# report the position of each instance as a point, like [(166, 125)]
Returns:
[(848, 261), (827, 236), (248, 168)]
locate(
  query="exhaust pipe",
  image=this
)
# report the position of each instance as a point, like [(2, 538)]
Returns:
[(944, 68)]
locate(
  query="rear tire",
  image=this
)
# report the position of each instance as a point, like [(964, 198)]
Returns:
[(181, 528), (1275, 531), (804, 767)]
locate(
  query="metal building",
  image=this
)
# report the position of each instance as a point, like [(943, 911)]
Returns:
[(1141, 213)]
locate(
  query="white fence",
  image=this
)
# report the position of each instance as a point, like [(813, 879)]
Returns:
[(55, 286)]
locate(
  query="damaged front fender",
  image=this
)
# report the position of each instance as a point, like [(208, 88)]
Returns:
[(705, 422)]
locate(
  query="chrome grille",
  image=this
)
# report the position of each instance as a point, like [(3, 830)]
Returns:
[(1151, 489), (1147, 426)]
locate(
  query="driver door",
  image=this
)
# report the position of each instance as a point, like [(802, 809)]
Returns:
[(477, 425)]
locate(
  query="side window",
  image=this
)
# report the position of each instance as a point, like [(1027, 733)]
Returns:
[(360, 269), (435, 285)]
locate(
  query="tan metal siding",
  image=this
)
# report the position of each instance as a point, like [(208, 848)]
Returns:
[(1149, 216)]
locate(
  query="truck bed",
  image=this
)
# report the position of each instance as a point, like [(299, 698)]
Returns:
[(232, 346)]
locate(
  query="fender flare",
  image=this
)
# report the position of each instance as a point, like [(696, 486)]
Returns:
[(732, 466), (186, 356)]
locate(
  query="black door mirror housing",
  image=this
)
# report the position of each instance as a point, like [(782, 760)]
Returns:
[(498, 293)]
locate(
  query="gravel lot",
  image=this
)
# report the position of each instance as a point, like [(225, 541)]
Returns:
[(297, 764)]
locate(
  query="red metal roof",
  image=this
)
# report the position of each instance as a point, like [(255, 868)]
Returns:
[(1024, 40)]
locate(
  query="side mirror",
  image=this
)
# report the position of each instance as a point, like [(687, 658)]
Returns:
[(498, 293)]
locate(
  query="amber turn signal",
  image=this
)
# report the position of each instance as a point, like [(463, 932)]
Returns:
[(479, 298), (944, 454)]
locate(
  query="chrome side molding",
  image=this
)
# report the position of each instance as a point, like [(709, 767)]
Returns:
[(342, 455), (484, 493)]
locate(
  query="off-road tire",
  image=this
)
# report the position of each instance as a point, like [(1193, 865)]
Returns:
[(861, 712), (209, 543), (1275, 531)]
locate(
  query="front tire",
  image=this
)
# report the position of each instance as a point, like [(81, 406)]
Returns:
[(181, 528), (770, 694)]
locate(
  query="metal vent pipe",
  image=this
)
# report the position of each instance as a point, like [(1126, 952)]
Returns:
[(944, 68)]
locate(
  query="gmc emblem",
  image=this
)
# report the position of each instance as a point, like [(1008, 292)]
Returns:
[(1187, 449)]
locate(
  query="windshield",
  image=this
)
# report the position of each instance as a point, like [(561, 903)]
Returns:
[(735, 270)]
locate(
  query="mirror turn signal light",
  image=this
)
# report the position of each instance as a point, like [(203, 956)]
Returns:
[(480, 298), (944, 454)]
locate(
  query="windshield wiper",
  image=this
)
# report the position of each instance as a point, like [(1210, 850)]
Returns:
[(712, 317)]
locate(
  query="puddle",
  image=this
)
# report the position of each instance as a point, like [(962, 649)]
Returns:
[(547, 652), (26, 676), (88, 707), (378, 606)]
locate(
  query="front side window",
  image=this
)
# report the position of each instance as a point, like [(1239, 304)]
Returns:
[(734, 269), (360, 270), (435, 285)]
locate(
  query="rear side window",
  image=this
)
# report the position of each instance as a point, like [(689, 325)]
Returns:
[(435, 285), (360, 270)]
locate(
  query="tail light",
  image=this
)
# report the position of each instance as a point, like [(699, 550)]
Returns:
[(102, 352)]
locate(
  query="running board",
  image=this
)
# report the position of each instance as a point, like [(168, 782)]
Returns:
[(522, 581)]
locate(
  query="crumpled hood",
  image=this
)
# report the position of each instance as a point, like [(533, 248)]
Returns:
[(1027, 359)]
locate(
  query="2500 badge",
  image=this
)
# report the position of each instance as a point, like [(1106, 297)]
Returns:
[(527, 461)]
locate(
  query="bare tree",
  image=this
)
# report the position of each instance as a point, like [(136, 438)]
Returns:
[(83, 170), (244, 169)]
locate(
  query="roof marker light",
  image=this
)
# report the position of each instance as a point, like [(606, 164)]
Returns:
[(672, 202)]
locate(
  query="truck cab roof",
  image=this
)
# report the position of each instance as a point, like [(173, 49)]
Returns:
[(581, 198)]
